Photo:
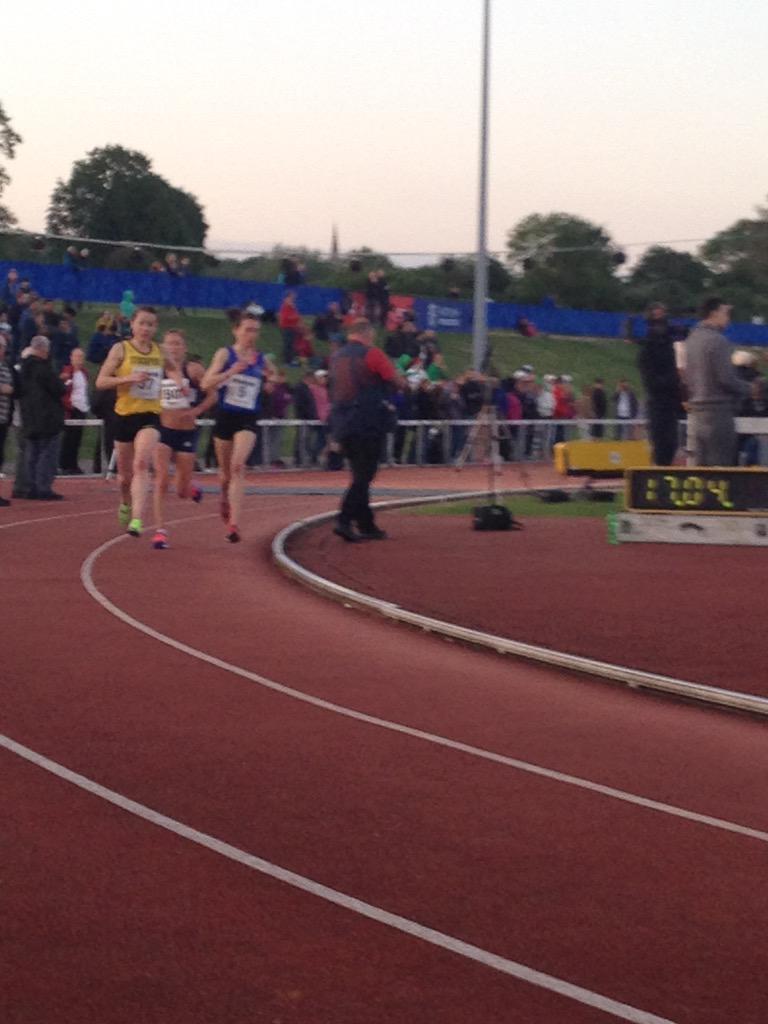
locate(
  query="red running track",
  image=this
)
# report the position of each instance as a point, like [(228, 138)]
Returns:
[(688, 612), (109, 918)]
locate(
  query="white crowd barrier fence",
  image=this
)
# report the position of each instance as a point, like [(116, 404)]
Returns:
[(433, 442)]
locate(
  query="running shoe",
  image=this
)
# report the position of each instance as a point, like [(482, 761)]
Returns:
[(160, 540), (135, 527), (196, 494), (233, 535), (224, 509), (124, 514)]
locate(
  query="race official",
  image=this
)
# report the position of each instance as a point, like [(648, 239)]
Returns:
[(714, 388), (361, 381), (661, 380)]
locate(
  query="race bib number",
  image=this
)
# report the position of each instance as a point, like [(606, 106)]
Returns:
[(148, 390), (172, 396), (242, 392)]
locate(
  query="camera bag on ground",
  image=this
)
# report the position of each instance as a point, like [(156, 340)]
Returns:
[(493, 517)]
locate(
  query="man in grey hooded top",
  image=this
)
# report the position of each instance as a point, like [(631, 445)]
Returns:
[(714, 389)]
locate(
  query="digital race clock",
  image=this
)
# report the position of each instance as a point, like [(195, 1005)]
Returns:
[(697, 489)]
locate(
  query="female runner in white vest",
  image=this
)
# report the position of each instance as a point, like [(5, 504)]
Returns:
[(180, 408)]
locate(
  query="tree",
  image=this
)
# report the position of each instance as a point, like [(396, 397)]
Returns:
[(113, 193), (678, 279), (9, 140), (738, 256), (566, 258)]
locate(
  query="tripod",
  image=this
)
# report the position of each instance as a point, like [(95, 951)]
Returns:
[(485, 436)]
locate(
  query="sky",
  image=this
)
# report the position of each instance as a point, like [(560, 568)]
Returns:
[(284, 117)]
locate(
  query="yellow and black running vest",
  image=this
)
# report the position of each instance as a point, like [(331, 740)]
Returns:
[(138, 398)]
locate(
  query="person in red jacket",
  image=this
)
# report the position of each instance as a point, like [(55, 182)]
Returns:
[(361, 380), (565, 404), (289, 322), (302, 343)]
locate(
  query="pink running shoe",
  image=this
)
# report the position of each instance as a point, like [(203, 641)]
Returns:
[(196, 494), (160, 540), (233, 535)]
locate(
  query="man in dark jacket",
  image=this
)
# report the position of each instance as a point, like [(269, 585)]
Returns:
[(599, 406), (328, 326), (361, 378), (42, 418), (661, 380), (304, 408)]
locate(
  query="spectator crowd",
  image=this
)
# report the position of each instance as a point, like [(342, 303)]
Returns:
[(47, 376)]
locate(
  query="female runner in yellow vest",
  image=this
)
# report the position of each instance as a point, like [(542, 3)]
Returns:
[(136, 368)]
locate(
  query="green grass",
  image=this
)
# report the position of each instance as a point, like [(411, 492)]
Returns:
[(583, 358), (528, 505)]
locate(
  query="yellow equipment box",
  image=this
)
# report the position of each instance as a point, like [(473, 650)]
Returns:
[(600, 458)]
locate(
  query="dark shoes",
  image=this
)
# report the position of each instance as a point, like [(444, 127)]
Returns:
[(33, 496), (4, 503), (373, 533), (346, 531)]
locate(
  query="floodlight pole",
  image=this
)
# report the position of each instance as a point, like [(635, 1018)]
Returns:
[(480, 320)]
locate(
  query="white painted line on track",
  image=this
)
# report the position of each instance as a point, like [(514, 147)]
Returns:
[(86, 575), (50, 519), (520, 971)]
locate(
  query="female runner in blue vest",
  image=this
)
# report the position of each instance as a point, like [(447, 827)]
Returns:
[(237, 373)]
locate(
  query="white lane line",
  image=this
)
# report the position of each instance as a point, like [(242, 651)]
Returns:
[(95, 512), (402, 924), (50, 519), (86, 575)]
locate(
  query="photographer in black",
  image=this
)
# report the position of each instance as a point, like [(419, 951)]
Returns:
[(658, 369), (361, 378)]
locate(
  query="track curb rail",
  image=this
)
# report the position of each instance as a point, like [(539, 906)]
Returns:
[(633, 678)]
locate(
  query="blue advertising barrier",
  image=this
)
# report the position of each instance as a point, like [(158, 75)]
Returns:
[(440, 315), (107, 287), (443, 315)]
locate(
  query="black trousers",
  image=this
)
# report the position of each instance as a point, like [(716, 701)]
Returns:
[(70, 444), (663, 432), (363, 454), (104, 409)]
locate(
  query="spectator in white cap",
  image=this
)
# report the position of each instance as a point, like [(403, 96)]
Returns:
[(546, 399)]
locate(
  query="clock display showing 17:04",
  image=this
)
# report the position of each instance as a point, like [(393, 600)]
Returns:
[(697, 489)]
